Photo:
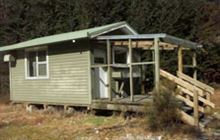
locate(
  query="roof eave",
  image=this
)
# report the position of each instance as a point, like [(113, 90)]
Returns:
[(68, 36), (11, 47), (165, 37), (181, 42), (124, 24)]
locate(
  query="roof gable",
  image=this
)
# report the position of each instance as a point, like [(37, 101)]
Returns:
[(86, 33)]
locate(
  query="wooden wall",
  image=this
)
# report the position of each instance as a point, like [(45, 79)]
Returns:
[(69, 77)]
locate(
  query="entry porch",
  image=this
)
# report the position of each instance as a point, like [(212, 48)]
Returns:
[(126, 81), (128, 65)]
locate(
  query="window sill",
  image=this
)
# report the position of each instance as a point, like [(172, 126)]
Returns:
[(36, 78)]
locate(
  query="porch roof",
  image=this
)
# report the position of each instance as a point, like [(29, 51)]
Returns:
[(162, 36)]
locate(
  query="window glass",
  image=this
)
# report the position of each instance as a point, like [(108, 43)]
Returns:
[(120, 56), (42, 69), (37, 63), (32, 64), (99, 60), (42, 56)]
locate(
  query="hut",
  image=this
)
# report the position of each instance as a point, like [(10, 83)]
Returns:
[(100, 68)]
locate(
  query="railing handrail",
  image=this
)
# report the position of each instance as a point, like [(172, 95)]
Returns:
[(181, 82), (187, 87), (195, 82), (205, 101)]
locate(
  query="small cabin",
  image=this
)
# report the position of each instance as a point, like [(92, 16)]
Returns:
[(99, 68)]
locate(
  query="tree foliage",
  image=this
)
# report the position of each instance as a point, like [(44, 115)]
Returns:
[(197, 20)]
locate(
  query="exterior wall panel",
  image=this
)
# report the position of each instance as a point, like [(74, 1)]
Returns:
[(68, 77)]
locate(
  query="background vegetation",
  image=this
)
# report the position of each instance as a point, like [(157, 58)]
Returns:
[(197, 20)]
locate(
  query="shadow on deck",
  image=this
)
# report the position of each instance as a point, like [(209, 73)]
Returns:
[(123, 104)]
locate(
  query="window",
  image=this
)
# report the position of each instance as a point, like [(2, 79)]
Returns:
[(120, 56), (99, 56), (36, 64), (99, 60)]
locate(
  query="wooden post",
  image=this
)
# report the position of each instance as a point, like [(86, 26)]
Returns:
[(109, 71), (208, 97), (142, 78), (45, 106), (196, 108), (153, 56), (180, 64), (194, 65), (117, 86), (157, 64), (131, 71), (10, 80), (65, 107), (180, 59)]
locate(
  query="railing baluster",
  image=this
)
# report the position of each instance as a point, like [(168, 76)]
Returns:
[(196, 108)]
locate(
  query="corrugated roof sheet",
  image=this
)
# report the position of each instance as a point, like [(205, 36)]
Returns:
[(92, 32)]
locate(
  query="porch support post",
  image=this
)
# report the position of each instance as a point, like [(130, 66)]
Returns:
[(131, 71), (180, 59), (194, 65), (157, 63), (109, 70)]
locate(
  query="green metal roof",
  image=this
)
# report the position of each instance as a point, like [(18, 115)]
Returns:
[(86, 33)]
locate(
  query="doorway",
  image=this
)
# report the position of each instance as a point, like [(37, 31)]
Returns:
[(100, 80)]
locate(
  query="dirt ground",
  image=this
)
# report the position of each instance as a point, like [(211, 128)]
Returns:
[(18, 124), (216, 98)]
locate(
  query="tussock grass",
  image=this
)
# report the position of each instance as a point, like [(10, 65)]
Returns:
[(163, 113), (17, 124)]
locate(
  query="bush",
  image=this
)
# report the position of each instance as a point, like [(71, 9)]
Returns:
[(163, 114)]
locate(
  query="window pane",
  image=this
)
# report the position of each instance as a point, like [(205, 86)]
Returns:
[(42, 69), (32, 64), (120, 56), (42, 55), (99, 60)]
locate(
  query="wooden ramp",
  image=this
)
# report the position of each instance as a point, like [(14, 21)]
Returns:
[(195, 96)]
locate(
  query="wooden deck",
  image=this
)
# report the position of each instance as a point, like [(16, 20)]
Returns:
[(123, 104)]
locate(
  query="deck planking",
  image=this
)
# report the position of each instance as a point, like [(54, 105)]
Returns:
[(123, 104)]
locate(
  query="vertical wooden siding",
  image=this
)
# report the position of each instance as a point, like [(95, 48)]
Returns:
[(68, 77)]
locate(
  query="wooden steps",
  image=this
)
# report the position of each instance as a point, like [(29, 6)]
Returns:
[(195, 96)]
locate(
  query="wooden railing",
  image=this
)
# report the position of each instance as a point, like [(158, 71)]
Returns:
[(191, 92), (206, 89)]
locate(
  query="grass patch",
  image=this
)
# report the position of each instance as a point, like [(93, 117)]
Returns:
[(24, 132), (17, 124), (99, 120)]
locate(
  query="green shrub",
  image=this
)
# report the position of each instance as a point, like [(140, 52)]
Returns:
[(163, 113)]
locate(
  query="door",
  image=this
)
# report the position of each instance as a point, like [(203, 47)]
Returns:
[(101, 82), (100, 75)]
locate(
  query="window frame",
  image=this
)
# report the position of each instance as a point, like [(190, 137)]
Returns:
[(36, 49)]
